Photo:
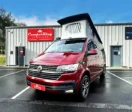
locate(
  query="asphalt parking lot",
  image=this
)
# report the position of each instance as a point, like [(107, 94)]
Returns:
[(112, 94)]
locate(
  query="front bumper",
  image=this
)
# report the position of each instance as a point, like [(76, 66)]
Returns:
[(65, 87)]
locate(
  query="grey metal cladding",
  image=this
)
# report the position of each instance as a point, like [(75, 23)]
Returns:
[(18, 37)]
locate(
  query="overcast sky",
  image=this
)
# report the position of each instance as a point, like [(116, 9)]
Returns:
[(47, 12)]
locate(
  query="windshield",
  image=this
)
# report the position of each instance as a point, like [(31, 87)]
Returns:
[(72, 45)]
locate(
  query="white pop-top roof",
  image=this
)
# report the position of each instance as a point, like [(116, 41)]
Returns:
[(74, 29), (77, 26)]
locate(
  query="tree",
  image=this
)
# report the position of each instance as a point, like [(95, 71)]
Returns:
[(21, 24), (6, 19)]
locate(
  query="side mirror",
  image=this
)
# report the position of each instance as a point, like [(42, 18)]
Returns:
[(92, 52)]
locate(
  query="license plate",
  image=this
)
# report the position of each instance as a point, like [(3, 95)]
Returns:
[(37, 86)]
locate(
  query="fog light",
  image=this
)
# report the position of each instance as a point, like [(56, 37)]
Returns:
[(69, 91)]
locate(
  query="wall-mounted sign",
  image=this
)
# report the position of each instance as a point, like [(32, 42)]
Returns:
[(128, 33), (40, 34)]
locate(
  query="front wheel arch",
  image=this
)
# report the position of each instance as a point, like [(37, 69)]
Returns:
[(86, 73), (81, 76)]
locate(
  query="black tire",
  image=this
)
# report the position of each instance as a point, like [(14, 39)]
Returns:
[(84, 88), (104, 72)]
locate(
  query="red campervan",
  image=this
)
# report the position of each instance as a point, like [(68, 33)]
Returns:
[(68, 65)]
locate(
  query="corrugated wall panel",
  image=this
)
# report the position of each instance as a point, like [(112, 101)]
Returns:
[(18, 37), (111, 35), (14, 37), (6, 48), (124, 46), (108, 41), (130, 50), (114, 35), (125, 49), (12, 48)]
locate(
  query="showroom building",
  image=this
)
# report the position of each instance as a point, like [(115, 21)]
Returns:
[(116, 38)]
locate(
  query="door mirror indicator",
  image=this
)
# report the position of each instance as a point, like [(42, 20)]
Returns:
[(92, 52)]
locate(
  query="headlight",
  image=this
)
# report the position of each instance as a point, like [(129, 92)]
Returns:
[(70, 68)]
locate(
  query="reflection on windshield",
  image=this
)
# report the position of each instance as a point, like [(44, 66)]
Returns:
[(67, 46)]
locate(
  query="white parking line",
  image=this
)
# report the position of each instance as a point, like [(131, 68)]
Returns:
[(18, 94), (7, 69), (121, 71), (11, 73), (119, 78)]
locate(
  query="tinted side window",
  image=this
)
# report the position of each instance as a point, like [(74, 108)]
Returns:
[(90, 45)]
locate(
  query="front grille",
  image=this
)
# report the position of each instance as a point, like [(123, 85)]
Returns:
[(44, 75), (48, 72), (45, 67)]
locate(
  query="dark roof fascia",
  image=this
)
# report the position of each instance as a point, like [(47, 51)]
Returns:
[(13, 27)]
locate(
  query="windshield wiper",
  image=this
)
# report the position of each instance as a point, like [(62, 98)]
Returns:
[(59, 51), (68, 51)]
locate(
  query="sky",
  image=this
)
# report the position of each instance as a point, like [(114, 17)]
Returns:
[(47, 12)]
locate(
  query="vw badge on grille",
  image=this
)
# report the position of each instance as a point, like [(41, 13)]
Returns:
[(39, 69)]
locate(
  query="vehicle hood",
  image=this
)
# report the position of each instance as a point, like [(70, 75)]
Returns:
[(58, 58)]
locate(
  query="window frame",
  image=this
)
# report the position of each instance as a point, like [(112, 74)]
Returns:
[(94, 45)]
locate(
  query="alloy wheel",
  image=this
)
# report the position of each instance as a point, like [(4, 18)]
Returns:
[(85, 87)]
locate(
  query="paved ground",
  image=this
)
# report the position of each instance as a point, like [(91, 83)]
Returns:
[(112, 94)]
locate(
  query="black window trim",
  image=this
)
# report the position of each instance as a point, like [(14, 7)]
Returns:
[(93, 44)]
